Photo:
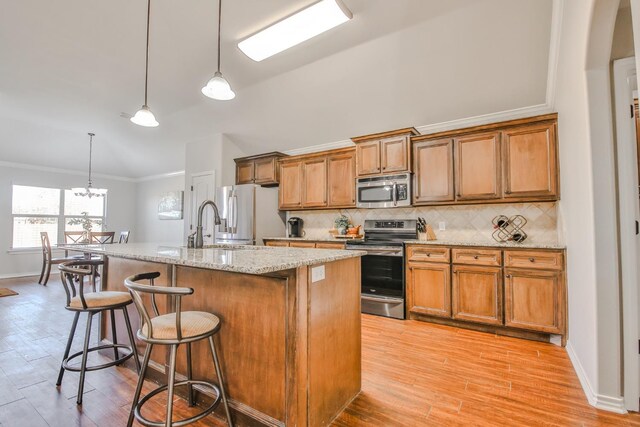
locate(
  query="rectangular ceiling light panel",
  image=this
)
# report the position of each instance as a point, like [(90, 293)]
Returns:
[(301, 26)]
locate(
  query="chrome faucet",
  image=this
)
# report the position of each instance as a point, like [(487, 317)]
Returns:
[(199, 237)]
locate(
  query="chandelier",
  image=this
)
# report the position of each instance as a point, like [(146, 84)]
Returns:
[(89, 191)]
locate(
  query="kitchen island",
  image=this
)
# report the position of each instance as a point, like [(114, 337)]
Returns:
[(290, 335)]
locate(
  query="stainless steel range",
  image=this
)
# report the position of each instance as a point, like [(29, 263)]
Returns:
[(383, 290)]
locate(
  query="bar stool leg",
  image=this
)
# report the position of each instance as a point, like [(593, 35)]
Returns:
[(68, 349), (216, 363), (191, 399), (85, 355), (112, 314), (131, 339), (143, 371), (170, 384)]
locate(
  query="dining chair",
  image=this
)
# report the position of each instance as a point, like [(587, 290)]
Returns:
[(74, 237), (101, 237), (124, 237), (48, 259)]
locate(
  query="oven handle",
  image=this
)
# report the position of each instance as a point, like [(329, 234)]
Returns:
[(391, 300), (387, 252)]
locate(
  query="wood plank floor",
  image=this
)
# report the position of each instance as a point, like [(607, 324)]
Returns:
[(414, 374)]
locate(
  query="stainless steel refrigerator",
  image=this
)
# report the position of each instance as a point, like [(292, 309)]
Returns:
[(248, 213)]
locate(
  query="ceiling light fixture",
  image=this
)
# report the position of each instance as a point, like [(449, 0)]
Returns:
[(303, 25), (218, 87), (89, 191), (144, 116)]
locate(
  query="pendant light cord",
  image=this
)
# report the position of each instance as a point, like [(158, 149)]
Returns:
[(90, 155), (146, 65), (219, 24)]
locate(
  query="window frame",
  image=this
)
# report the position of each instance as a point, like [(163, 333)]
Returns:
[(61, 217)]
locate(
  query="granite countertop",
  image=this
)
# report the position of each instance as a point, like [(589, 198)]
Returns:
[(488, 243), (235, 258), (309, 239)]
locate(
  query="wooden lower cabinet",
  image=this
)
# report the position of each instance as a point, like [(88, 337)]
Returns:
[(429, 288), (277, 243), (534, 300), (477, 294), (304, 244)]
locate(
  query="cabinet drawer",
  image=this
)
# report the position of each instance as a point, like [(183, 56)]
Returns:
[(302, 244), (428, 253), (477, 257), (325, 245), (548, 260), (276, 243)]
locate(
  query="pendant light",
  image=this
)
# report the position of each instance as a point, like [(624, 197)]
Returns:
[(218, 87), (89, 191), (144, 116)]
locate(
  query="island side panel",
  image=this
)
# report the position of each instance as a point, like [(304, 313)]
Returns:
[(119, 269), (334, 348), (252, 338)]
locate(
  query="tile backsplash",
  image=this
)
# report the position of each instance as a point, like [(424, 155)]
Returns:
[(463, 222)]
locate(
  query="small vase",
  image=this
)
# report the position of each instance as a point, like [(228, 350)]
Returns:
[(342, 230)]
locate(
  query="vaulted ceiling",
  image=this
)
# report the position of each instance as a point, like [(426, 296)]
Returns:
[(72, 66)]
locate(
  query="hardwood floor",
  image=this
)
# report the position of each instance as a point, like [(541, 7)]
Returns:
[(414, 374)]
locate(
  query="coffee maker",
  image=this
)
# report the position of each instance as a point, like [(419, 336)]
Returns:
[(295, 227)]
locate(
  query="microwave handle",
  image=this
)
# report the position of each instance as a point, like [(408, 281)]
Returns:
[(394, 194)]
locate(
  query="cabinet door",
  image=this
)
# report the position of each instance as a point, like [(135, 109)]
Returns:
[(534, 300), (265, 171), (290, 193), (368, 157), (314, 182), (477, 294), (429, 289), (477, 167), (341, 180), (328, 245), (530, 162), (277, 243), (244, 172), (394, 153), (433, 171), (302, 245)]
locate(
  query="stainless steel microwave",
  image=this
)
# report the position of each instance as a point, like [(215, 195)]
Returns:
[(384, 191)]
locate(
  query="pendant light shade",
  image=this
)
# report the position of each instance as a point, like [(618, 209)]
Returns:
[(144, 116), (218, 87), (89, 191)]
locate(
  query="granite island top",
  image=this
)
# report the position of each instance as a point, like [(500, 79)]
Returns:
[(236, 258)]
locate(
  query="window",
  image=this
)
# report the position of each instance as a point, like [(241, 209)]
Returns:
[(37, 209)]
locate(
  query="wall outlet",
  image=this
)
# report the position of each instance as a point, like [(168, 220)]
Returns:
[(317, 273), (442, 226)]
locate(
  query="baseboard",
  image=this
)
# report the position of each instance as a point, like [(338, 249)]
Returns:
[(600, 401), (18, 275)]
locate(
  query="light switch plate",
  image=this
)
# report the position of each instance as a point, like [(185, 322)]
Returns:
[(317, 273), (442, 226)]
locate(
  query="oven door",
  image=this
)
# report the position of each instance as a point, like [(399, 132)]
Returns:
[(382, 289), (383, 192)]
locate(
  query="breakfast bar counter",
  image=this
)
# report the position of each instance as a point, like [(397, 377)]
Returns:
[(290, 334)]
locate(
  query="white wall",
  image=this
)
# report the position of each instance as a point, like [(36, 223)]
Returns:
[(148, 228), (120, 209)]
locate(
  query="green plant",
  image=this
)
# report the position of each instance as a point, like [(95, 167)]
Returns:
[(86, 222), (342, 222)]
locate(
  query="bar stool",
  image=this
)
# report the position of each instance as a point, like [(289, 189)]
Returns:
[(73, 274), (173, 329)]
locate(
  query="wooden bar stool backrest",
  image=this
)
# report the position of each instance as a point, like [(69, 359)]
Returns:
[(74, 272), (46, 245), (137, 289), (124, 237), (101, 237), (74, 236)]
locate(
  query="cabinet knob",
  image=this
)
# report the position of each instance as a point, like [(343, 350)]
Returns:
[(508, 276), (458, 195), (532, 260), (475, 257), (507, 192), (428, 255)]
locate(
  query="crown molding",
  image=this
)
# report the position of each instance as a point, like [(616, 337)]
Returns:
[(320, 147)]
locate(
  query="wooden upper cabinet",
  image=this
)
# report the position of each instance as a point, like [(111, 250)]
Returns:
[(382, 153), (290, 193), (477, 167), (477, 294), (530, 162), (244, 172), (314, 182), (394, 154), (433, 171), (341, 180), (368, 155), (534, 300), (262, 169)]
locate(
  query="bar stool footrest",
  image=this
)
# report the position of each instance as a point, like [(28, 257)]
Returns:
[(118, 361), (180, 423)]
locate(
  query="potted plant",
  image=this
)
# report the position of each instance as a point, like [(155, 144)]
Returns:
[(342, 224)]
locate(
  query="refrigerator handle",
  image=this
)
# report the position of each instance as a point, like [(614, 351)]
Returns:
[(234, 213)]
